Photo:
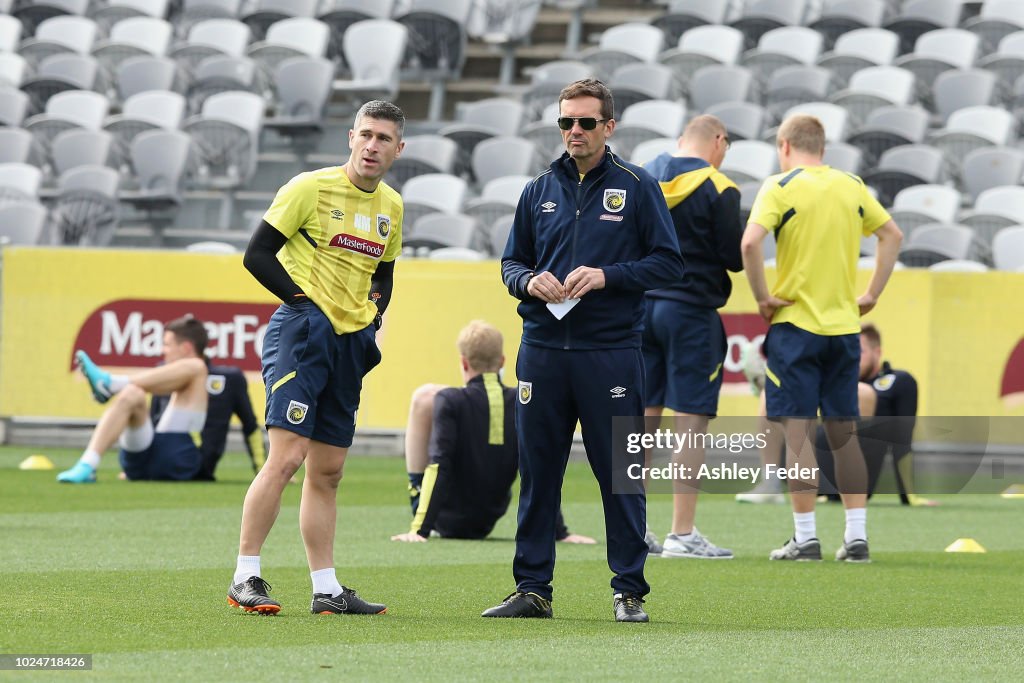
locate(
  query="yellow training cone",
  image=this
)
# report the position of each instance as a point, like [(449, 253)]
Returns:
[(1015, 491), (36, 462), (965, 545)]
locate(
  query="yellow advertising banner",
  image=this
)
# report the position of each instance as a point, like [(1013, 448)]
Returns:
[(960, 334)]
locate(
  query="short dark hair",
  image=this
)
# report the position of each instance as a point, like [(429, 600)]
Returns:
[(873, 335), (385, 111), (590, 87), (191, 330)]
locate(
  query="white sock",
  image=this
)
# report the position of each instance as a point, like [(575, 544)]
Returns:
[(91, 458), (325, 581), (118, 382), (248, 565), (856, 524), (805, 526)]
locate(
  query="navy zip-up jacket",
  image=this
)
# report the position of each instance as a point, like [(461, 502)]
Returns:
[(615, 219), (705, 206)]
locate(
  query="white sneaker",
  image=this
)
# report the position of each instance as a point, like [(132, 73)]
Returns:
[(767, 492), (695, 546), (653, 547)]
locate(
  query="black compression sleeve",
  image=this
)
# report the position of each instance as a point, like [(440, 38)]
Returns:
[(261, 260), (381, 284)]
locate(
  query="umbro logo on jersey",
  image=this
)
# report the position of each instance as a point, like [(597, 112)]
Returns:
[(618, 392), (337, 214), (548, 207)]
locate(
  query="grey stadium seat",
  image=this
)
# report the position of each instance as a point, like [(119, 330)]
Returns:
[(80, 147), (140, 74), (996, 208), (480, 120), (436, 49), (64, 111), (917, 17), (422, 154), (59, 73), (1007, 248), (938, 51), (958, 266), (634, 83), (629, 43), (875, 87), (145, 111), (21, 222), (10, 33), (32, 14), (682, 16), (922, 204), (194, 12), (498, 198), (973, 128), (58, 35), (226, 138), (844, 156), (433, 193), (160, 160), (781, 47), (545, 133), (504, 156), (750, 160), (888, 127), (860, 49), (114, 11), (15, 146), (743, 120), (901, 167), (294, 37), (86, 211), (835, 119), (505, 24), (646, 121), (794, 85), (702, 46), (648, 150), (13, 105), (221, 73), (1007, 63), (438, 230), (207, 38), (259, 15), (13, 69), (991, 167), (932, 243), (760, 16), (842, 16), (547, 81), (303, 86), (500, 230), (340, 14), (374, 50), (996, 20), (960, 88), (19, 182), (713, 85), (134, 37)]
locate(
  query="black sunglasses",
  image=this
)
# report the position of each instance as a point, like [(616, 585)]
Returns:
[(586, 122)]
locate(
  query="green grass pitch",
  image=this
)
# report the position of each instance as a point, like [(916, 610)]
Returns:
[(136, 575)]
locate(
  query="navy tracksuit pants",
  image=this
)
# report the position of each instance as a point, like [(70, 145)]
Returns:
[(557, 388)]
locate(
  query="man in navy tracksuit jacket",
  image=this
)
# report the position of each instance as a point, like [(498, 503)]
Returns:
[(597, 229)]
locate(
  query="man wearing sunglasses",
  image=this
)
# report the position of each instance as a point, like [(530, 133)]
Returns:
[(591, 235), (684, 340)]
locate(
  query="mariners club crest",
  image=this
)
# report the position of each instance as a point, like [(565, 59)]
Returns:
[(525, 392), (215, 384), (614, 200), (297, 412), (383, 225)]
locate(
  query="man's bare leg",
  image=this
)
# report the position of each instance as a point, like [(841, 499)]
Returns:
[(684, 499), (417, 437)]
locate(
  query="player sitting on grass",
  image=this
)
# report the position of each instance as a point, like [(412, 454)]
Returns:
[(473, 453), (167, 452)]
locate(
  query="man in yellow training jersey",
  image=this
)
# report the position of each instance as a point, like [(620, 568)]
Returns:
[(326, 247), (818, 215)]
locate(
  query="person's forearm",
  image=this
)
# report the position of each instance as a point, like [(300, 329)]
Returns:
[(885, 260), (261, 260), (753, 266)]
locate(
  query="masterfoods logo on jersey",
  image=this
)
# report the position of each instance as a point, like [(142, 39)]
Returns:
[(358, 245), (129, 332)]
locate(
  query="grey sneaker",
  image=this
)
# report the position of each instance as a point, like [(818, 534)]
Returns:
[(694, 545), (809, 550), (854, 551), (653, 547), (767, 492)]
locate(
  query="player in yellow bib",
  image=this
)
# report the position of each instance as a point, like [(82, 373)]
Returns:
[(326, 248), (818, 215)]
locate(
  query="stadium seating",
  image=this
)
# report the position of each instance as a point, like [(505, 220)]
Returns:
[(499, 197), (702, 46), (994, 209), (15, 145), (436, 49), (374, 50), (922, 204), (917, 17), (438, 230), (10, 33), (261, 14), (1007, 248), (481, 120), (760, 16), (996, 20), (21, 222), (934, 242), (860, 49), (504, 24), (80, 147), (86, 210), (843, 16), (646, 121), (59, 73), (58, 35), (339, 15), (139, 74), (114, 11), (743, 120), (630, 43), (19, 182), (302, 86), (903, 166), (433, 193), (504, 156), (683, 15)]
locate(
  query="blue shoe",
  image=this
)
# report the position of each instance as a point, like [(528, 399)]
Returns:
[(99, 380), (81, 473)]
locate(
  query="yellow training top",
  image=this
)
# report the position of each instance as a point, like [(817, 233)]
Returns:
[(336, 234), (818, 215)]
